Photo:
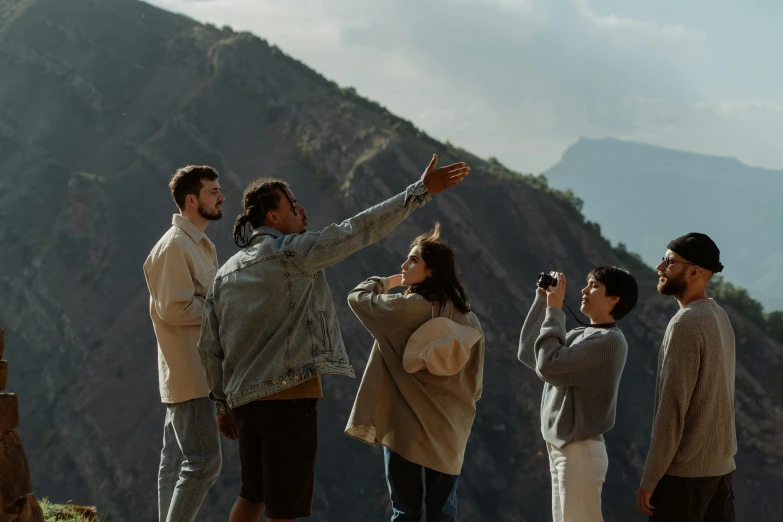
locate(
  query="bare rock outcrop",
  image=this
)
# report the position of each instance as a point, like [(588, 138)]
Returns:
[(17, 504)]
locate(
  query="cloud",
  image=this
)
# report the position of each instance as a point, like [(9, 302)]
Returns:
[(666, 41), (612, 21), (742, 108), (524, 7), (519, 80)]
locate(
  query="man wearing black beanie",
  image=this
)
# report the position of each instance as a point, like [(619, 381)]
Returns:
[(690, 463)]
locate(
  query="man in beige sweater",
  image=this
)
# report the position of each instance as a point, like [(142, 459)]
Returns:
[(179, 271), (689, 468)]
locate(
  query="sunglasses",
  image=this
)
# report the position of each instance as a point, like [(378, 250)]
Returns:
[(667, 262)]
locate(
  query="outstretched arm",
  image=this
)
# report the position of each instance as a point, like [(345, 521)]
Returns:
[(314, 251)]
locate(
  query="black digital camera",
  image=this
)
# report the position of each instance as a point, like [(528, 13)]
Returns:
[(546, 280)]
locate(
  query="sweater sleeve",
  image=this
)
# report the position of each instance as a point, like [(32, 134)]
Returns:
[(678, 371), (531, 329), (563, 364), (372, 304)]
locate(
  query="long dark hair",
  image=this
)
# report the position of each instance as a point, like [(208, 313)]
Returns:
[(260, 196), (444, 284)]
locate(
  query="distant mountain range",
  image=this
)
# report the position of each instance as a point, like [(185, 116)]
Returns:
[(101, 100), (645, 196)]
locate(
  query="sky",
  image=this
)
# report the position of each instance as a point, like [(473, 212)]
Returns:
[(521, 80)]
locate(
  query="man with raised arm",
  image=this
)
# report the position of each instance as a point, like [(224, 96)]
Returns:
[(270, 331)]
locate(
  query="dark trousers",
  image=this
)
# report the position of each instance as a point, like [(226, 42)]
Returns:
[(406, 489), (703, 499)]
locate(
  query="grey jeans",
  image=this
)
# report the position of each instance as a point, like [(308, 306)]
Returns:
[(190, 460)]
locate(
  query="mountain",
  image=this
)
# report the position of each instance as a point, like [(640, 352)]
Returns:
[(644, 196), (101, 100)]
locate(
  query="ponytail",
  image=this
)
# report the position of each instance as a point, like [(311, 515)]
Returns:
[(260, 196), (241, 238)]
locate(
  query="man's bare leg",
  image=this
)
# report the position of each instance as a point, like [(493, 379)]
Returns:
[(246, 511)]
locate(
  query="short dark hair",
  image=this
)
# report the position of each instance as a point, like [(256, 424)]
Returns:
[(619, 283), (187, 181), (259, 197)]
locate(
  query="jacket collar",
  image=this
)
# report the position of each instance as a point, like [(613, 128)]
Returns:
[(265, 231), (189, 228)]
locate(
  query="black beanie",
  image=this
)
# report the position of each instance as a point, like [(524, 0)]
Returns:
[(698, 249)]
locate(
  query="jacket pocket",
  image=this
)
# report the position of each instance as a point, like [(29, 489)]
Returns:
[(325, 332)]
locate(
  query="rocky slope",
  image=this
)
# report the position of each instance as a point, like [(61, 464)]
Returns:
[(101, 100)]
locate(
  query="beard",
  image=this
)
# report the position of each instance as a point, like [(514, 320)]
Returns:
[(674, 286), (214, 215)]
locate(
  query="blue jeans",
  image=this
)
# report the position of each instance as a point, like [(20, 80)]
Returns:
[(406, 489), (190, 460)]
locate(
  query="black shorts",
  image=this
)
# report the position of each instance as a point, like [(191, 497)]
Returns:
[(704, 499), (278, 441)]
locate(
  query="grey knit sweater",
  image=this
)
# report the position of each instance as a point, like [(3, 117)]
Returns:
[(693, 421), (581, 370)]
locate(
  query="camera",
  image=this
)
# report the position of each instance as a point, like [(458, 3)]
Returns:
[(546, 280)]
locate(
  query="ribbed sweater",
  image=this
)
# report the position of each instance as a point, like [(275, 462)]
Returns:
[(581, 371), (693, 419)]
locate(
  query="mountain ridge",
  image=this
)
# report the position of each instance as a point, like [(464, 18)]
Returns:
[(645, 195), (83, 195)]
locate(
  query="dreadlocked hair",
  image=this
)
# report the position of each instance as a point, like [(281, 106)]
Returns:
[(260, 196), (444, 284)]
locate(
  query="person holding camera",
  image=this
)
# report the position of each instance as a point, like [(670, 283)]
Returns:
[(581, 370), (418, 394)]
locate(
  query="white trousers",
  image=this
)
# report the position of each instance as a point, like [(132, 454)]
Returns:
[(578, 473)]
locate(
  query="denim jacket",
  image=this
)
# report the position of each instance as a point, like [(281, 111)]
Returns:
[(269, 322)]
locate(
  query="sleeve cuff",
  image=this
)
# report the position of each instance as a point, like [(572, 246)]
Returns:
[(555, 314), (383, 281), (648, 485), (417, 189), (221, 407)]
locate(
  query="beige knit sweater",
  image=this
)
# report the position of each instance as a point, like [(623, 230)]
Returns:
[(693, 422)]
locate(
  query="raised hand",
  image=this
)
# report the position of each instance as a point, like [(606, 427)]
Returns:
[(395, 281), (555, 295), (439, 179)]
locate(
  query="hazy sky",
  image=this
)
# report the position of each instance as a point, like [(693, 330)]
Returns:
[(523, 79)]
